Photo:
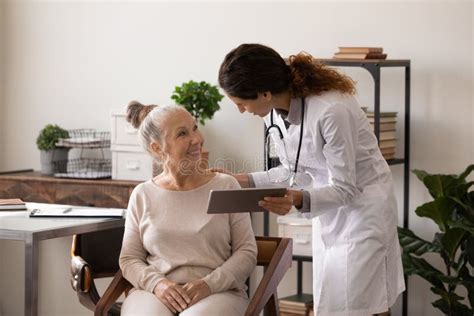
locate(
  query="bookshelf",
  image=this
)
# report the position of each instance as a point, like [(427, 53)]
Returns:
[(374, 67)]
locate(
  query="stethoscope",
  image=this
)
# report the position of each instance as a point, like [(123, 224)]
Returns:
[(280, 133)]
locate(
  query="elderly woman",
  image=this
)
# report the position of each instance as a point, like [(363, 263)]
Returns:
[(179, 258)]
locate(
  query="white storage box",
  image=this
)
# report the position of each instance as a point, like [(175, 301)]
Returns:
[(295, 226), (122, 132), (129, 160), (131, 165)]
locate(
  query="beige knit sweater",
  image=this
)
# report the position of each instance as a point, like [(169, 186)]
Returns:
[(168, 234)]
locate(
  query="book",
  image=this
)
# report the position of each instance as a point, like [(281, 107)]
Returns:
[(387, 150), (382, 114), (290, 313), (385, 126), (304, 300), (387, 143), (12, 205), (389, 156), (295, 310), (77, 211), (359, 56), (301, 307), (383, 135), (388, 119), (365, 50)]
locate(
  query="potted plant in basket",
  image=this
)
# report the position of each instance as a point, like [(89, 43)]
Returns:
[(201, 99), (50, 154), (452, 209)]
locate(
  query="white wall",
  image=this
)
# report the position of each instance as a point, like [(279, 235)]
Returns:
[(2, 79), (70, 63)]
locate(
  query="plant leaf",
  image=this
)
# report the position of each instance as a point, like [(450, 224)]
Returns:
[(462, 224), (468, 170), (469, 250), (468, 283), (419, 266), (439, 210), (420, 174), (441, 185), (414, 244), (449, 303), (451, 241)]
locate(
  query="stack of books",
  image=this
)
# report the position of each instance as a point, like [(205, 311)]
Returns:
[(295, 305), (12, 205), (360, 53), (387, 137)]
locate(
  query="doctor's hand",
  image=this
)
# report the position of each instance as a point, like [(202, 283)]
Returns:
[(242, 178), (282, 205), (172, 295), (221, 170), (197, 290)]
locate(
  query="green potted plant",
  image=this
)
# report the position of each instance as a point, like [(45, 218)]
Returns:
[(452, 209), (50, 154), (201, 99)]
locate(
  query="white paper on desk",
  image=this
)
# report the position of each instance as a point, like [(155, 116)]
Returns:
[(77, 212)]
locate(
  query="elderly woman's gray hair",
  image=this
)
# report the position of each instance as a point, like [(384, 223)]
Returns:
[(148, 120)]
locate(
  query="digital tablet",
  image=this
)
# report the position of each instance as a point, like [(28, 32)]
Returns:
[(242, 200)]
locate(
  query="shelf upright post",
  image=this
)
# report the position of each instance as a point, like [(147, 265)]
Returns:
[(406, 174), (407, 148), (374, 70)]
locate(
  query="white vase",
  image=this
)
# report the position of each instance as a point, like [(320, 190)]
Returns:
[(53, 161)]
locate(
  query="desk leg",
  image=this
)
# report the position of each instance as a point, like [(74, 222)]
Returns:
[(31, 276), (299, 277)]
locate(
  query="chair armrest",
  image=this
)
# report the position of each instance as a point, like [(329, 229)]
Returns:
[(118, 286), (279, 264), (83, 283)]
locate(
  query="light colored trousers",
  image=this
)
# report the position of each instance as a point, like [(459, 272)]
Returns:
[(143, 303)]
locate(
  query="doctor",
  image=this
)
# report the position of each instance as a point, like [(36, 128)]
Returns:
[(337, 175)]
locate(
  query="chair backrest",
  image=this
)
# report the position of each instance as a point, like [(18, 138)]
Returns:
[(101, 250), (94, 255), (275, 255)]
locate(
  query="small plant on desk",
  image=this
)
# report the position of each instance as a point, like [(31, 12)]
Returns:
[(49, 152)]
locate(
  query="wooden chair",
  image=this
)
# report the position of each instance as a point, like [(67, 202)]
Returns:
[(94, 256), (274, 254)]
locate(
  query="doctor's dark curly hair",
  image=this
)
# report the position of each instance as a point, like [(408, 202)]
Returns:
[(254, 68)]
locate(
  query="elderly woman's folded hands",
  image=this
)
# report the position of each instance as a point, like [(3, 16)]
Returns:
[(172, 295), (197, 290), (177, 298)]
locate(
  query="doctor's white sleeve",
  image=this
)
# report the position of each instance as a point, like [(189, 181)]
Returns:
[(260, 178), (339, 131)]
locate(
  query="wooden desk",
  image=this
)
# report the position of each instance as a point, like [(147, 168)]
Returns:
[(34, 187), (19, 226)]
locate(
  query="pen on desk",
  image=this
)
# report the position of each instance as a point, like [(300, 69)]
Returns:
[(67, 210)]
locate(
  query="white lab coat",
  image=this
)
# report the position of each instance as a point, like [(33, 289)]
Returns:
[(357, 267)]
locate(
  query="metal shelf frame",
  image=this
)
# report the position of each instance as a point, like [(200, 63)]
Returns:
[(374, 68)]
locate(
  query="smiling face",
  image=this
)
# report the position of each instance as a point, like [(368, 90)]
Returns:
[(260, 106), (181, 141)]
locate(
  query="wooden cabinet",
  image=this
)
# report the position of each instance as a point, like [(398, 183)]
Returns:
[(34, 187)]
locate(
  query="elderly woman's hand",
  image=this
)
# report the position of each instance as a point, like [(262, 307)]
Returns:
[(172, 295), (282, 205), (197, 290)]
